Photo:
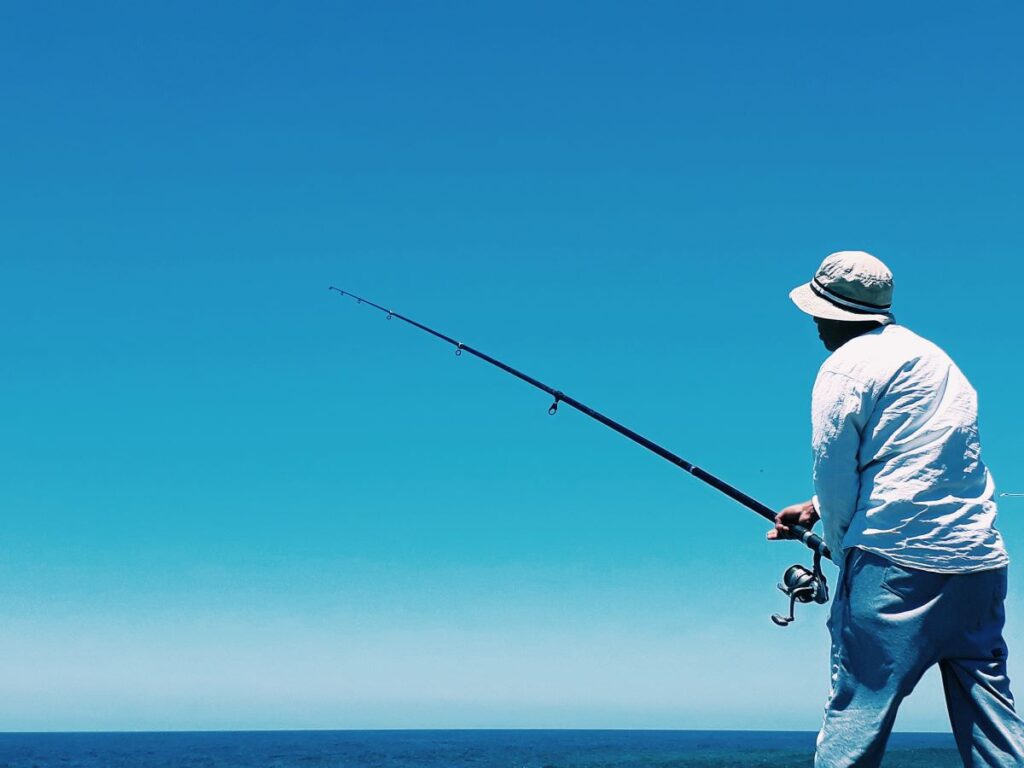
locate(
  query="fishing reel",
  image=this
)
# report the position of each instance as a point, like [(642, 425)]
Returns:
[(802, 586)]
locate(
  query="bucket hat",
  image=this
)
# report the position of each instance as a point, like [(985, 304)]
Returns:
[(849, 285)]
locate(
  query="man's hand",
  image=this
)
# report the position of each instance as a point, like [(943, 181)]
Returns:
[(796, 514)]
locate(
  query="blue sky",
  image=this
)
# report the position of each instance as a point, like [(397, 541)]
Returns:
[(233, 500)]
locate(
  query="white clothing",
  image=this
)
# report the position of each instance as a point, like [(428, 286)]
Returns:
[(897, 462)]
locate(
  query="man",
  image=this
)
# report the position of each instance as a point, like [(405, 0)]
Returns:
[(907, 508)]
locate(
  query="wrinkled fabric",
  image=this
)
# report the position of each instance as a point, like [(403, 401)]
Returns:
[(897, 460), (889, 624)]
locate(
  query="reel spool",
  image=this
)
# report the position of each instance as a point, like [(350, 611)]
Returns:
[(802, 586)]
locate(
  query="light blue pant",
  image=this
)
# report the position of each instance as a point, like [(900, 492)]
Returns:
[(889, 624)]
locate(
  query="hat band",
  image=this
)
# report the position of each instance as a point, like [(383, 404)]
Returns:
[(861, 307)]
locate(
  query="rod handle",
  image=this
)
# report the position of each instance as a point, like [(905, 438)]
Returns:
[(811, 540)]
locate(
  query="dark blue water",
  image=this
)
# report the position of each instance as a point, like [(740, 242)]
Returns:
[(446, 749)]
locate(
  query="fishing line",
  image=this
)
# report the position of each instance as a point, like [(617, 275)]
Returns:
[(799, 583)]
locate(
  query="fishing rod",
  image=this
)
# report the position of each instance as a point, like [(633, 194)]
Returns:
[(800, 584)]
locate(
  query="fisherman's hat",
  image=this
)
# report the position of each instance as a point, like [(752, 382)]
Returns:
[(849, 285)]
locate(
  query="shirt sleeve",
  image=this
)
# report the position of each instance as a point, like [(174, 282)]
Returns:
[(840, 408)]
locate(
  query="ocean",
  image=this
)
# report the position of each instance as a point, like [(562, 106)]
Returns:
[(447, 749)]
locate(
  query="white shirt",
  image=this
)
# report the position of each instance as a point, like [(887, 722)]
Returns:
[(897, 462)]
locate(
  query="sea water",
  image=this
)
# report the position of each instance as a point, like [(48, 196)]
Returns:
[(446, 749)]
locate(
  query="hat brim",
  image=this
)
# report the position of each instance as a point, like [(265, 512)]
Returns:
[(808, 301)]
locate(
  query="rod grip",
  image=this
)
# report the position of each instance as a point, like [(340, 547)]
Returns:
[(811, 540)]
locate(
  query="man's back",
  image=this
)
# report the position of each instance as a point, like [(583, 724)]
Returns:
[(895, 407)]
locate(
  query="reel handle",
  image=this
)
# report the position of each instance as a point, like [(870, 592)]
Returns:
[(783, 621)]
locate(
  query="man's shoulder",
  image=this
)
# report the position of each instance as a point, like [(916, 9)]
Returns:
[(878, 356)]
